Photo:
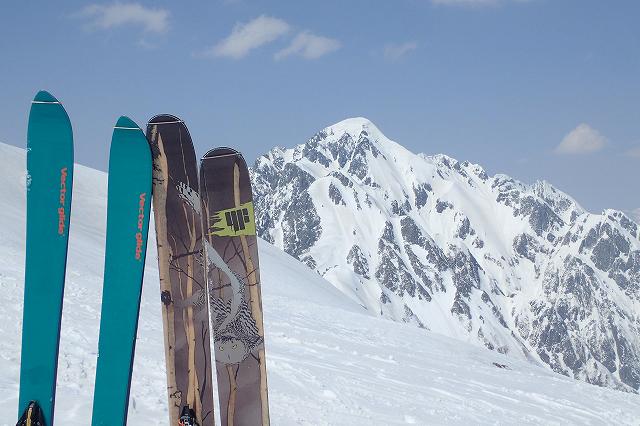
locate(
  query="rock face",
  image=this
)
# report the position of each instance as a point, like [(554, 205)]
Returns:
[(429, 240)]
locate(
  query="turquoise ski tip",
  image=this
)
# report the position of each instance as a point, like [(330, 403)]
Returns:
[(45, 97), (125, 123)]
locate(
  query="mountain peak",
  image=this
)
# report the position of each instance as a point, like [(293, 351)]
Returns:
[(353, 126)]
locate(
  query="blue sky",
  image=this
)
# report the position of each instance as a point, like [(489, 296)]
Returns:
[(536, 89)]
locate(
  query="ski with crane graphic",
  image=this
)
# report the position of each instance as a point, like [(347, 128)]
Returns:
[(233, 275)]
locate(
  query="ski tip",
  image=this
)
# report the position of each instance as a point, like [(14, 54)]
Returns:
[(165, 119), (44, 97), (221, 152), (125, 123)]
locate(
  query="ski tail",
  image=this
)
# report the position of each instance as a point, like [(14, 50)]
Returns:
[(49, 187)]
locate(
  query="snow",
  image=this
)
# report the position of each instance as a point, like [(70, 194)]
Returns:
[(329, 362)]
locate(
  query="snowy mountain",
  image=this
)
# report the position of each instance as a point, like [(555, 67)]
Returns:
[(520, 269), (329, 362)]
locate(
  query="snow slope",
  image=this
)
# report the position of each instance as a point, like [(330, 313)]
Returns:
[(329, 362)]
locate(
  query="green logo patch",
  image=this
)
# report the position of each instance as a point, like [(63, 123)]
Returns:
[(233, 222)]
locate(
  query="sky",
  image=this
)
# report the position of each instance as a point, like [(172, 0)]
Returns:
[(536, 89)]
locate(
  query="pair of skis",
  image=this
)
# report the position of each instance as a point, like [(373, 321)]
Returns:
[(49, 190), (208, 259), (208, 262)]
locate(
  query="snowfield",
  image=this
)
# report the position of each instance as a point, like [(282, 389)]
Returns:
[(329, 361)]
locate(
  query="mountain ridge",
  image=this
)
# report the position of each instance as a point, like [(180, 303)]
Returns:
[(522, 269)]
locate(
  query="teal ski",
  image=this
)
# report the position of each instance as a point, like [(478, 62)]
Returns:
[(128, 202), (49, 183)]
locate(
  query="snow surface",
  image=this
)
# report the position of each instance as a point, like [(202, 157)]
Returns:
[(329, 362)]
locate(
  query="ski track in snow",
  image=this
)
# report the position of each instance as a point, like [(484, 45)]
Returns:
[(329, 361)]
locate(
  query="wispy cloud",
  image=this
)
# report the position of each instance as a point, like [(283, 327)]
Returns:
[(122, 14), (635, 153), (309, 46), (146, 44), (248, 36), (581, 140), (393, 52)]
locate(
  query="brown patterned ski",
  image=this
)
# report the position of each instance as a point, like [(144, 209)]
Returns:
[(233, 276), (185, 314)]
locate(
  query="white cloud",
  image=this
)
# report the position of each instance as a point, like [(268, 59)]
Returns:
[(309, 46), (581, 140), (246, 37), (120, 14), (393, 52), (264, 30), (635, 153)]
